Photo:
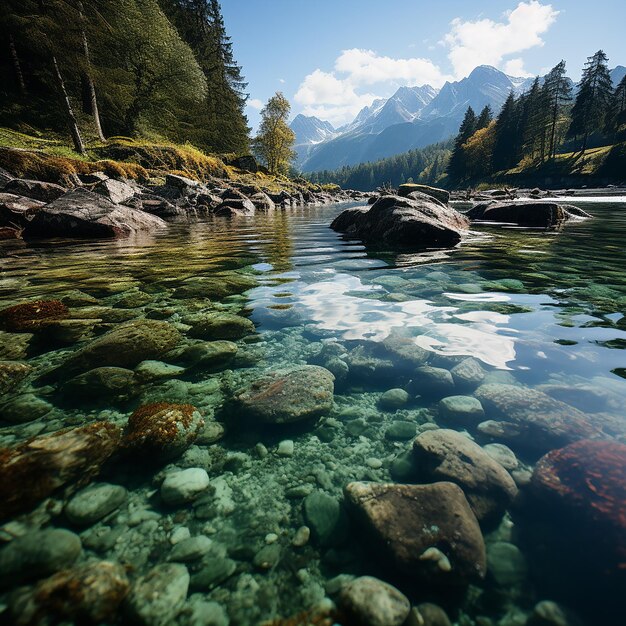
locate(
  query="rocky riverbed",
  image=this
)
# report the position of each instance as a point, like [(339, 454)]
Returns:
[(252, 421)]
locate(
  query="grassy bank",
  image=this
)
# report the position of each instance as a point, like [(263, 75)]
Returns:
[(47, 157)]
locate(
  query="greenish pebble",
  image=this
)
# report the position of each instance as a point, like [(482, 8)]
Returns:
[(401, 430), (394, 399)]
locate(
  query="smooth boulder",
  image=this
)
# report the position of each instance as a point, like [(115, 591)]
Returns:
[(520, 213), (84, 214), (426, 531), (438, 194), (414, 223)]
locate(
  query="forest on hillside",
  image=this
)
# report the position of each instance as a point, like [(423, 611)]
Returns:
[(105, 68), (532, 129)]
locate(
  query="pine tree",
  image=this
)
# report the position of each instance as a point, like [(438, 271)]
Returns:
[(616, 117), (534, 122), (593, 99), (505, 148), (558, 90), (457, 165), (275, 139), (485, 117)]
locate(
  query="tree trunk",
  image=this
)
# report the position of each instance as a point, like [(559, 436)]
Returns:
[(17, 67), (69, 112), (90, 87)]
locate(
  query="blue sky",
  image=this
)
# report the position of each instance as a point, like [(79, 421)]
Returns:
[(332, 57)]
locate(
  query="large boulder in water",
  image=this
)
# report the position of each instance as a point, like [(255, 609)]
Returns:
[(405, 222), (285, 396), (84, 214), (524, 213), (16, 211), (575, 526), (438, 194), (450, 456), (428, 531)]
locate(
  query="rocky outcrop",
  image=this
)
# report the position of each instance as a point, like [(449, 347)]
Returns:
[(524, 213), (426, 531), (404, 222), (285, 396), (447, 455), (35, 189), (441, 195), (533, 420), (35, 469), (84, 214)]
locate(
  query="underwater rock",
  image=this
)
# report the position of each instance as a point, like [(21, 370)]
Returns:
[(406, 222), (216, 286), (33, 470), (432, 382), (447, 455), (548, 613), (158, 597), (218, 325), (427, 531), (125, 346), (373, 602), (114, 384), (400, 430), (37, 554), (539, 423), (393, 399), (190, 549), (150, 371), (405, 351), (184, 486), (84, 214), (27, 317), (13, 346), (325, 518), (162, 430), (284, 396), (214, 570), (585, 485), (428, 614), (502, 454), (94, 502), (506, 564), (86, 594), (462, 410), (365, 365), (24, 408), (467, 374), (210, 355), (12, 373)]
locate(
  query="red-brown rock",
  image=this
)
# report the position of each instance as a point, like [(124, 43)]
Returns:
[(26, 317), (35, 469)]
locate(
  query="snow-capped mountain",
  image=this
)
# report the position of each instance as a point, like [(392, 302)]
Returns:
[(311, 129), (412, 118)]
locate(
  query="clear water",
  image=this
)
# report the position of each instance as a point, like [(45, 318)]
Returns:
[(538, 307)]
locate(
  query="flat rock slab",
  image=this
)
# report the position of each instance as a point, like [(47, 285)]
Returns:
[(285, 396), (84, 214), (427, 531)]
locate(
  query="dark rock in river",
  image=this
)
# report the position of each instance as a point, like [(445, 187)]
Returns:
[(574, 527), (85, 594), (532, 419), (285, 396), (529, 213), (441, 195), (450, 456), (81, 213), (35, 469), (26, 317), (114, 384), (404, 222), (35, 189), (428, 531), (17, 211)]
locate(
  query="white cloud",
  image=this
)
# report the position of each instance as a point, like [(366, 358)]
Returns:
[(281, 80), (360, 76), (485, 42), (255, 103)]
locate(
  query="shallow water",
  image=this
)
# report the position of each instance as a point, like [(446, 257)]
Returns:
[(532, 307)]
